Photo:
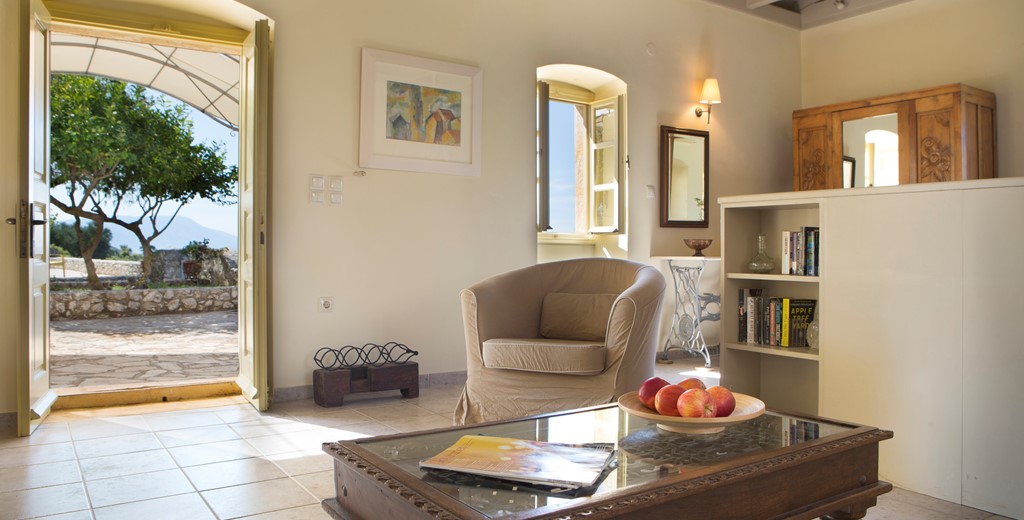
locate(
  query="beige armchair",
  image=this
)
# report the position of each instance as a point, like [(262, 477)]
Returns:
[(557, 336)]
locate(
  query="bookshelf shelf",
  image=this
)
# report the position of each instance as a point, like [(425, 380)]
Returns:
[(772, 277), (767, 350)]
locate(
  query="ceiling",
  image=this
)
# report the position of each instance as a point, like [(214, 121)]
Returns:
[(804, 14)]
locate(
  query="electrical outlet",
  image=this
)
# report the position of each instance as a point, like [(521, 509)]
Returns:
[(326, 304)]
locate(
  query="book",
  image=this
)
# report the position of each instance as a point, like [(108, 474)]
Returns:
[(810, 249), (784, 340), (801, 313), (554, 465), (784, 262), (753, 319)]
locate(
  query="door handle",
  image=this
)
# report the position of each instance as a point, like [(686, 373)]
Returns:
[(11, 220)]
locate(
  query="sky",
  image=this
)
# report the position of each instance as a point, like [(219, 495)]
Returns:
[(562, 168)]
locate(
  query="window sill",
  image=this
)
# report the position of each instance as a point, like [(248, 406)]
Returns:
[(566, 238)]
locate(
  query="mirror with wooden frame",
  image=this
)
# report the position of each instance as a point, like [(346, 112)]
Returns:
[(684, 177)]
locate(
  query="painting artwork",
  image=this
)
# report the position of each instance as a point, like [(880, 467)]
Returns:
[(418, 114), (423, 114)]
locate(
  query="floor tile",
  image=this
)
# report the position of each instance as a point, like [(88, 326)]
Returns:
[(85, 514), (46, 433), (182, 419), (107, 427), (30, 455), (419, 423), (262, 427), (210, 453), (104, 446), (126, 464), (259, 497), (201, 435), (398, 411), (310, 512), (134, 488), (178, 507), (302, 462), (319, 484), (233, 473), (308, 440), (44, 501), (39, 475)]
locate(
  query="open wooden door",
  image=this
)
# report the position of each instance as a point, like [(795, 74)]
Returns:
[(253, 165), (34, 394)]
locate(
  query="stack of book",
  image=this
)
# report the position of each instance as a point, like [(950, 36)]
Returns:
[(774, 321), (548, 466), (800, 251)]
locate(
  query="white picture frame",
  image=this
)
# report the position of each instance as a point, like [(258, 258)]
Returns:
[(419, 114)]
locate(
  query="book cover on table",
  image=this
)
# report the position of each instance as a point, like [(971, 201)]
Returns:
[(568, 466)]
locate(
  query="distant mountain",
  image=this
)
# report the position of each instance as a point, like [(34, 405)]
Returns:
[(182, 231)]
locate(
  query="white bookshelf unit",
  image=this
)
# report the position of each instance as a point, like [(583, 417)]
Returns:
[(786, 378), (919, 302)]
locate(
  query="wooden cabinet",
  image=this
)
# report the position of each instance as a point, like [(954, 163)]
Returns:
[(919, 304), (945, 134)]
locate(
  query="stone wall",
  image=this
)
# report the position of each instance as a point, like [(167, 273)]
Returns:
[(106, 267), (85, 305)]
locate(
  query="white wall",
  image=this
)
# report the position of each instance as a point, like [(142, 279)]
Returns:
[(920, 44)]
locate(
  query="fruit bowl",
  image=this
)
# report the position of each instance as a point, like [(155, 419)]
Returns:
[(747, 408)]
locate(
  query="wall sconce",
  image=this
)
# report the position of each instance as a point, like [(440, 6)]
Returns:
[(709, 95)]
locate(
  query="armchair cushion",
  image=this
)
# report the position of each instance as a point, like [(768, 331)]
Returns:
[(552, 356), (582, 317)]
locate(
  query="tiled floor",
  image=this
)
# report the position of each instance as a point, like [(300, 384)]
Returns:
[(220, 459)]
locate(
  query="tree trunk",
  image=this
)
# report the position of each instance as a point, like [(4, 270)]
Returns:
[(87, 246)]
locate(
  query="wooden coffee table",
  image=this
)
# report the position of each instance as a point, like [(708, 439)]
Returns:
[(775, 466)]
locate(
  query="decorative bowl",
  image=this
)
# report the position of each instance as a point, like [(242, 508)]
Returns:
[(747, 408), (697, 244)]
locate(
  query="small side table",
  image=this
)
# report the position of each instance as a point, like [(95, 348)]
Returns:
[(691, 308)]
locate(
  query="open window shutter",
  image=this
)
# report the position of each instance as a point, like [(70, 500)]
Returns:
[(543, 158)]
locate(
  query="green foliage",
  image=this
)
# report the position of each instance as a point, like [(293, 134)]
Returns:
[(200, 251), (113, 144), (64, 237), (124, 253)]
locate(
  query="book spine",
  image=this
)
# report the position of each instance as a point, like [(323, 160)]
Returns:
[(785, 252), (751, 319), (792, 252), (778, 322), (817, 251), (800, 252), (741, 334), (771, 321), (785, 323)]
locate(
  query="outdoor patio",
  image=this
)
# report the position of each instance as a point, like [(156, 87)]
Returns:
[(140, 351)]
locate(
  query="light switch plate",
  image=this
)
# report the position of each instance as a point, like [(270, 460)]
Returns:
[(316, 182), (316, 196), (336, 198), (335, 183)]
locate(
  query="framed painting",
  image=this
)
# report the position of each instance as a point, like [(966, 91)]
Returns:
[(418, 114)]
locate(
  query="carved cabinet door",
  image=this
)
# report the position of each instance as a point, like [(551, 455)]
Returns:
[(811, 152), (938, 132)]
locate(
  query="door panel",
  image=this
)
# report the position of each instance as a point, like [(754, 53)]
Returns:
[(253, 377), (34, 394)]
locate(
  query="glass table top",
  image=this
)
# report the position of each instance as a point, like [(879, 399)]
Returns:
[(644, 454)]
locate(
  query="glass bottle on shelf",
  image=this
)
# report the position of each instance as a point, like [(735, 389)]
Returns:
[(761, 263), (812, 333)]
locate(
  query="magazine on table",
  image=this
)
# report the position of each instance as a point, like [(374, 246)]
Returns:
[(554, 466)]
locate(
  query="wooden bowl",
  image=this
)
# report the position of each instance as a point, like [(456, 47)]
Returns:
[(747, 408)]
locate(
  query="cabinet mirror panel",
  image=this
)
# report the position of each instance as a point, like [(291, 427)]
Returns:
[(871, 151), (684, 177)]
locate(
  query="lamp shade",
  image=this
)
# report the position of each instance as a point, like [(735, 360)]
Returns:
[(710, 94)]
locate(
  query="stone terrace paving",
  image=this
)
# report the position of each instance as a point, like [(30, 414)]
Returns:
[(144, 350)]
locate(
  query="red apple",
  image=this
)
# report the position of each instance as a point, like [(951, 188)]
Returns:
[(692, 382), (666, 398), (648, 389), (724, 400), (696, 402)]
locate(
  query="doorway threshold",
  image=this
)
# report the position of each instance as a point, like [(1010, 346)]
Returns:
[(120, 395)]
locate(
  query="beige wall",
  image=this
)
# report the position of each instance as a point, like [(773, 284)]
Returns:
[(921, 44), (398, 251), (403, 245)]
